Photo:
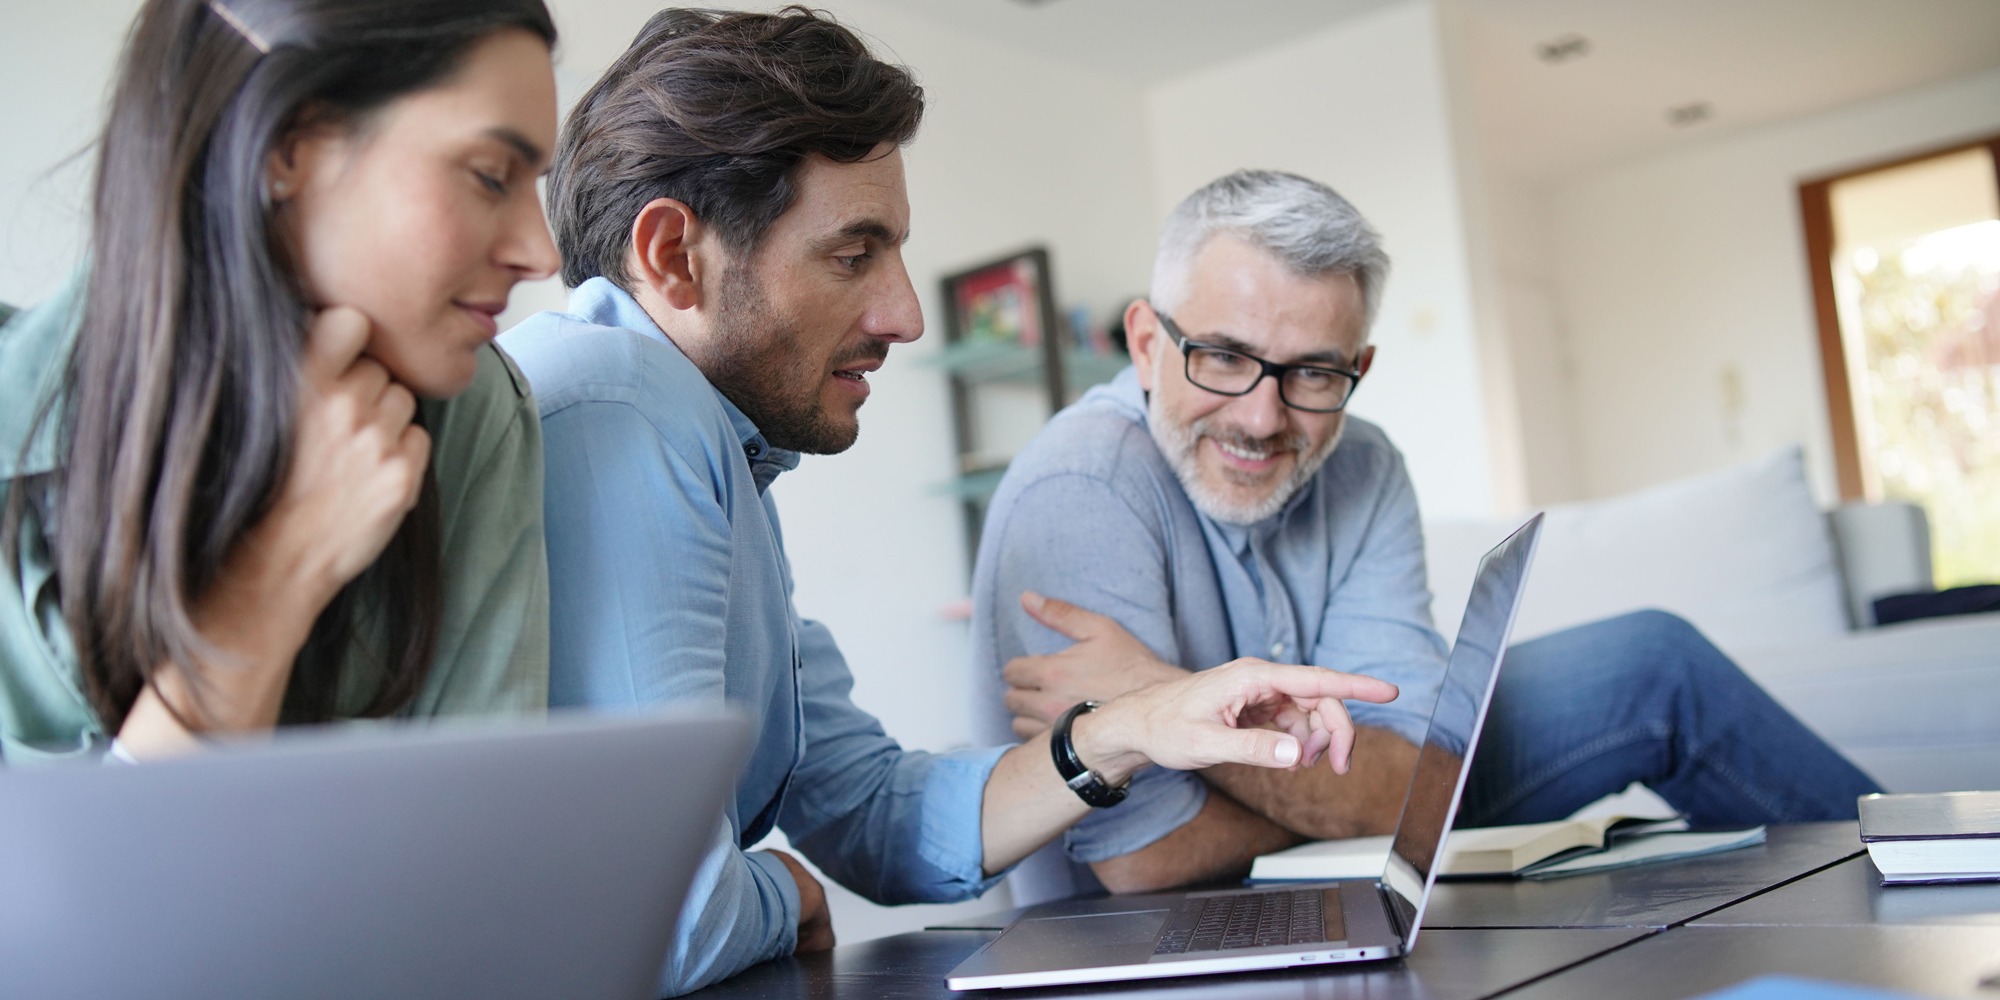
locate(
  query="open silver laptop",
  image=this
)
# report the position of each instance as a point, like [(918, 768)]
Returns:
[(1234, 930), (457, 860)]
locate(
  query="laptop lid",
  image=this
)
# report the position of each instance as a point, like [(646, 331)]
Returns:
[(458, 859), (1445, 757)]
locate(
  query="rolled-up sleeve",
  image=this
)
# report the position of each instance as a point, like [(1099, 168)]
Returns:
[(895, 825)]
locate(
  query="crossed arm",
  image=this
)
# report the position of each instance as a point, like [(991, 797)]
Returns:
[(1249, 810)]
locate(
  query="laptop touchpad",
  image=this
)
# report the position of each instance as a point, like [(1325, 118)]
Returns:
[(1057, 941)]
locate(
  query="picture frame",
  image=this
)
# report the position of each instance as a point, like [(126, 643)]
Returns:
[(1008, 303)]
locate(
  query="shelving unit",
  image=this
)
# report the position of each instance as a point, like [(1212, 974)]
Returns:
[(1031, 381)]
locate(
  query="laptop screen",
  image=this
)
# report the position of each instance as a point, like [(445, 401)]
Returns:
[(1445, 758)]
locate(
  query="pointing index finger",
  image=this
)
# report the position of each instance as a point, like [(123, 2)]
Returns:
[(1319, 682)]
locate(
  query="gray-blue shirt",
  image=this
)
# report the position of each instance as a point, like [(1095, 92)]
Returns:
[(668, 584), (1091, 512)]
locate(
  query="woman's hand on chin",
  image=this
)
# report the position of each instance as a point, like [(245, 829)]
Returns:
[(357, 468), (357, 463)]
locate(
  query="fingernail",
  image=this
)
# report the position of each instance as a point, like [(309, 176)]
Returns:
[(1033, 600), (1288, 752)]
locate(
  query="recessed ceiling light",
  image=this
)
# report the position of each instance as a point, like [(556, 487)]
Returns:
[(1691, 113), (1562, 49)]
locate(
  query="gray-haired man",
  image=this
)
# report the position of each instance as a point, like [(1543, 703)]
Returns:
[(1216, 501)]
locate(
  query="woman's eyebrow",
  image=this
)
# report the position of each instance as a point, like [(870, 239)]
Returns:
[(521, 144)]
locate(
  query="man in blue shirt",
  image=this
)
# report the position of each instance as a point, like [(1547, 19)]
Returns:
[(730, 204), (1215, 501)]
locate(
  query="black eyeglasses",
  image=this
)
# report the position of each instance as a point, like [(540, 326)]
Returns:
[(1226, 372)]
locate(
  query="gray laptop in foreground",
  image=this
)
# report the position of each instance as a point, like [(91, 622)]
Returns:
[(1234, 930), (457, 860)]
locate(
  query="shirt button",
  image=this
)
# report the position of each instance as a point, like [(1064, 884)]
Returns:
[(1277, 650)]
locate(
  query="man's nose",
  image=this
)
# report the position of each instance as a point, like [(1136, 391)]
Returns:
[(1261, 411), (895, 315)]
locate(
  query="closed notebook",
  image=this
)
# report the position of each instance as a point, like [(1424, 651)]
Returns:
[(1507, 850), (1933, 837)]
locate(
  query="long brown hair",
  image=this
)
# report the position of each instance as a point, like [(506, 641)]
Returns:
[(181, 390)]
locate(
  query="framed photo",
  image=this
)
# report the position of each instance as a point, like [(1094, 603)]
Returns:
[(1007, 301), (1007, 306)]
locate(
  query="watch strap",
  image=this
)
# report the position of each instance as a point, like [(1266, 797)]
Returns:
[(1086, 783)]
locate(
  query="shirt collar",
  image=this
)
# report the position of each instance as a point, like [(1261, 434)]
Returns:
[(34, 351), (603, 303)]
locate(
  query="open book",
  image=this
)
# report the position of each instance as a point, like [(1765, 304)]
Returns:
[(1564, 847)]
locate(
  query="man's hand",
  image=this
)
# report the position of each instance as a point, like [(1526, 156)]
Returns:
[(1105, 662), (815, 923), (1213, 717), (1243, 712)]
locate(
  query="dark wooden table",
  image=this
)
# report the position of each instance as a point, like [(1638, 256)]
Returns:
[(1659, 895), (1805, 903)]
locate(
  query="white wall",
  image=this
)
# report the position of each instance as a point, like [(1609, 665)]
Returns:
[(1684, 288), (55, 68), (1364, 108)]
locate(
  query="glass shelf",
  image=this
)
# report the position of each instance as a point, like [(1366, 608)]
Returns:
[(1084, 369), (986, 360), (989, 361), (976, 485)]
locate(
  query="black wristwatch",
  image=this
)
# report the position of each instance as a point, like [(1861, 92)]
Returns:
[(1086, 783)]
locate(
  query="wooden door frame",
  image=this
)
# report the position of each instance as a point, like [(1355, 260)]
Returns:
[(1816, 215)]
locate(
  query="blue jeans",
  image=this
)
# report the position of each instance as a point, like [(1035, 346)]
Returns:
[(1645, 697)]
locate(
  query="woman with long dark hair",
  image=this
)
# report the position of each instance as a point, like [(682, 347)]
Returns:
[(261, 463)]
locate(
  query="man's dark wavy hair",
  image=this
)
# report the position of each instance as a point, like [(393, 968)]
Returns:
[(718, 110)]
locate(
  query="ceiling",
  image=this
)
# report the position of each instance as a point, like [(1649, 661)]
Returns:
[(1140, 41), (1750, 62)]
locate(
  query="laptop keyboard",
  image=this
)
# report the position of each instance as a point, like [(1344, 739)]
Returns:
[(1247, 920)]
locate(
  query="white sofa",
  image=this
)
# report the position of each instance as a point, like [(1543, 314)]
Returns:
[(1786, 590)]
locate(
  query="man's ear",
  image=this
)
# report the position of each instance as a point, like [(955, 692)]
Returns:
[(1366, 360), (1143, 337), (665, 257)]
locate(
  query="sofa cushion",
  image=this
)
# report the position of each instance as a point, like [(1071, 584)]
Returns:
[(1913, 704), (1743, 553)]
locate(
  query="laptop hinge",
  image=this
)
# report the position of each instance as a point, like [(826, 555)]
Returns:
[(1393, 905)]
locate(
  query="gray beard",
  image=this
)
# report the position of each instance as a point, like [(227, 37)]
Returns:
[(1179, 444)]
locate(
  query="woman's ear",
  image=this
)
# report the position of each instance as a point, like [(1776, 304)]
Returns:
[(296, 159), (665, 256)]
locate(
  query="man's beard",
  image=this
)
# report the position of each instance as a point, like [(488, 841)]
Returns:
[(1181, 443), (754, 361)]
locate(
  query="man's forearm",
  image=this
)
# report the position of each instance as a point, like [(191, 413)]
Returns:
[(1316, 803), (1219, 842), (1024, 806)]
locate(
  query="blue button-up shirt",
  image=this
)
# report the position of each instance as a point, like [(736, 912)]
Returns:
[(1092, 513), (668, 584)]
